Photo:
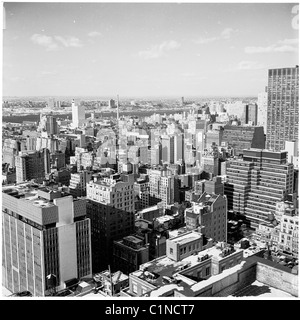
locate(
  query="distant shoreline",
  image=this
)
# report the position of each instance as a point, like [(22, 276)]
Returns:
[(36, 117)]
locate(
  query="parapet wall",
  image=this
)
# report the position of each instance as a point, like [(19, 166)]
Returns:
[(253, 269), (278, 279)]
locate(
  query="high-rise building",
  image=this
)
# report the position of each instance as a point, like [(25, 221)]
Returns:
[(251, 114), (262, 109), (51, 125), (179, 147), (257, 182), (78, 114), (292, 149), (43, 233), (10, 150), (214, 186), (243, 137), (110, 206), (283, 107), (111, 103), (167, 143), (162, 187), (32, 165)]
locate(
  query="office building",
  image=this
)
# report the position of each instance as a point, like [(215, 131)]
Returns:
[(292, 149), (257, 182), (51, 125), (283, 107), (110, 206), (78, 115), (243, 137), (251, 114), (10, 150), (214, 186), (32, 165), (142, 195), (111, 103), (262, 109), (44, 233), (167, 144), (162, 187), (78, 183), (179, 147)]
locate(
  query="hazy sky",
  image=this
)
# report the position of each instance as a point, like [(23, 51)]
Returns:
[(139, 49)]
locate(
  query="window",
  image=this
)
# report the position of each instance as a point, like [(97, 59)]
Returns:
[(134, 288), (207, 271), (171, 250)]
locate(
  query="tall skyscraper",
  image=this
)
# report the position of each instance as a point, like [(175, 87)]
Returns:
[(43, 233), (251, 114), (51, 125), (179, 147), (167, 143), (257, 182), (262, 109), (78, 114), (283, 107)]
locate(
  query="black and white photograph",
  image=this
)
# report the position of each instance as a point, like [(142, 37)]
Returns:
[(150, 153)]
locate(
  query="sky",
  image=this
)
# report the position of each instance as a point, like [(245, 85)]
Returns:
[(145, 49)]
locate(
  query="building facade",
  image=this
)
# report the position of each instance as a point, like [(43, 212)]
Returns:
[(110, 206), (43, 233), (283, 107)]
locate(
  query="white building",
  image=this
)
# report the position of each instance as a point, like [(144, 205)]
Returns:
[(78, 115), (262, 106)]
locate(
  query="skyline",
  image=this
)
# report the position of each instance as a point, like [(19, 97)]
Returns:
[(153, 49)]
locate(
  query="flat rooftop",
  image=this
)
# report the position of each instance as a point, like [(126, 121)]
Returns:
[(167, 267), (259, 289), (185, 238), (164, 218)]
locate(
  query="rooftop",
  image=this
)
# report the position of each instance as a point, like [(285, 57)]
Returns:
[(258, 289), (156, 271), (187, 237)]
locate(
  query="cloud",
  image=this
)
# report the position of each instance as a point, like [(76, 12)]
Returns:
[(225, 34), (159, 50), (69, 41), (56, 42), (286, 45), (289, 41), (202, 40), (250, 65), (94, 34), (244, 65), (44, 41)]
